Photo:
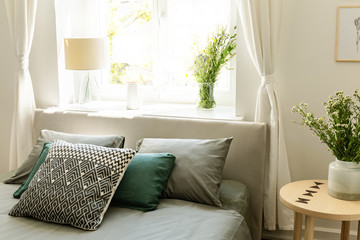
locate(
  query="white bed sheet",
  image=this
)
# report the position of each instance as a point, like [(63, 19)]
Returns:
[(172, 220)]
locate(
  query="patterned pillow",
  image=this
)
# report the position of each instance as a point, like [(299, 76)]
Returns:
[(74, 185)]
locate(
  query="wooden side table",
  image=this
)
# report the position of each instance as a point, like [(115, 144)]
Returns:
[(310, 198)]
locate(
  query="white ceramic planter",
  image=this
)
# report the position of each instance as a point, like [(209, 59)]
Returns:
[(344, 180), (133, 100)]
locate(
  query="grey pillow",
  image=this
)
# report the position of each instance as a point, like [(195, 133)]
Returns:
[(199, 163), (24, 170)]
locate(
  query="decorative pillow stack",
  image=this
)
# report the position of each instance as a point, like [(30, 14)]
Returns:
[(74, 185), (141, 186)]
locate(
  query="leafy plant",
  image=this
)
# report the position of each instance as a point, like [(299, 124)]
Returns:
[(118, 22), (206, 95), (208, 63), (118, 71), (340, 130)]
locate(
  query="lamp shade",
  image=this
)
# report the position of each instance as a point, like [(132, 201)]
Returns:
[(84, 53)]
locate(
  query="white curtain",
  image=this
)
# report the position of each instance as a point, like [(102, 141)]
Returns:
[(21, 17), (260, 26)]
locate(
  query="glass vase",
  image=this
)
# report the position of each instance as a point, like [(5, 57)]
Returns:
[(206, 100), (344, 180)]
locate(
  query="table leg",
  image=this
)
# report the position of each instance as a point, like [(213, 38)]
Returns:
[(297, 226), (345, 230), (358, 233), (309, 228)]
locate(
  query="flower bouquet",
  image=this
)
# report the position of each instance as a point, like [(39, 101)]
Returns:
[(340, 130), (208, 63)]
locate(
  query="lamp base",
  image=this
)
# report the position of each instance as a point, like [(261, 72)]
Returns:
[(87, 87)]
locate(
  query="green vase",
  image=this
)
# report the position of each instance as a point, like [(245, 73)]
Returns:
[(206, 100)]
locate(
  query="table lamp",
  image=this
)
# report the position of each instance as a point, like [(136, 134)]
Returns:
[(85, 54)]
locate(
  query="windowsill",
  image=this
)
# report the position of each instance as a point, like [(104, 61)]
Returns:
[(118, 109)]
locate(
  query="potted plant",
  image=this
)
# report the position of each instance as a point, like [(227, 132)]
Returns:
[(340, 131), (208, 63)]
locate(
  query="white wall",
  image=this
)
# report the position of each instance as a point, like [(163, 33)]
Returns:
[(306, 71)]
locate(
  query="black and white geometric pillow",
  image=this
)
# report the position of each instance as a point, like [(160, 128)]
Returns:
[(74, 185)]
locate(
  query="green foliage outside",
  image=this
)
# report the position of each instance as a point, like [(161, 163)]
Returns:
[(118, 72), (116, 23), (208, 63), (340, 130)]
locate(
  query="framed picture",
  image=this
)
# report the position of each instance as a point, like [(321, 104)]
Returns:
[(348, 34)]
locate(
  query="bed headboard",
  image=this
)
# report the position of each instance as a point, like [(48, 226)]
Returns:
[(245, 161)]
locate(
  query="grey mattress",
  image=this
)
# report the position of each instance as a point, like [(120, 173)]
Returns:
[(173, 219)]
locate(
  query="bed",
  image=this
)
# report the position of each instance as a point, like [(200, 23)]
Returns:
[(241, 189)]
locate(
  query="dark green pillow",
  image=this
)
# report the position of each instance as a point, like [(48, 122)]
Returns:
[(40, 161), (144, 181)]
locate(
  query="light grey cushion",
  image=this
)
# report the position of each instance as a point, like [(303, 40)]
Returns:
[(49, 136), (74, 185), (199, 163)]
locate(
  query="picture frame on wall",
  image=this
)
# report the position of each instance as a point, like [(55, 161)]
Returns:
[(348, 34)]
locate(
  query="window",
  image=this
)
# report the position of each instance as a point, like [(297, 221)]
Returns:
[(151, 41), (154, 42)]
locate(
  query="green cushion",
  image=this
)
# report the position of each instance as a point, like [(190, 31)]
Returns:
[(40, 161), (144, 181)]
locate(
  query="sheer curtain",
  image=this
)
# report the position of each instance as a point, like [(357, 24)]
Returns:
[(260, 24), (21, 17)]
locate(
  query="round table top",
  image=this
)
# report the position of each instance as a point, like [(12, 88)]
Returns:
[(310, 197)]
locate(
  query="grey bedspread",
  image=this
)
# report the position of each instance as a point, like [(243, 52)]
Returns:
[(173, 219)]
